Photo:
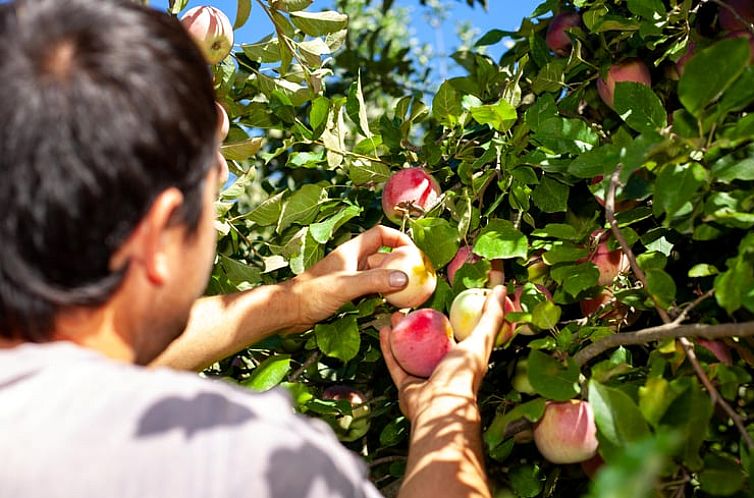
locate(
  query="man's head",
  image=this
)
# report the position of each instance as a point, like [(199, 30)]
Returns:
[(104, 107)]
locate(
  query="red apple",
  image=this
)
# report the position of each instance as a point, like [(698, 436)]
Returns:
[(606, 305), (566, 432), (729, 21), (422, 279), (463, 256), (211, 30), (745, 34), (410, 191), (592, 466), (557, 38), (356, 425), (629, 70), (610, 263), (421, 340), (466, 311)]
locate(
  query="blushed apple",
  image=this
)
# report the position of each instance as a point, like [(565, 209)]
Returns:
[(422, 278), (729, 21), (557, 38), (223, 123), (466, 311), (420, 340), (411, 192), (566, 433), (356, 425), (211, 30), (462, 257), (630, 70), (610, 263)]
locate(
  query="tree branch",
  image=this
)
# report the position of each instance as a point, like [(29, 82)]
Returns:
[(651, 334)]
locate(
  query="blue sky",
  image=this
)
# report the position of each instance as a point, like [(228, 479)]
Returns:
[(501, 14)]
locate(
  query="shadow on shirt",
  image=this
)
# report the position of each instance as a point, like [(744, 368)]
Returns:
[(205, 411)]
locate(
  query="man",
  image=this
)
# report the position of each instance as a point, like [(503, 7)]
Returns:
[(108, 166)]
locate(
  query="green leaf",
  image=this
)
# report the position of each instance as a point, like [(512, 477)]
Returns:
[(526, 480), (446, 105), (291, 5), (364, 172), (566, 253), (301, 207), (241, 151), (319, 23), (562, 135), (700, 85), (302, 251), (546, 315), (652, 10), (319, 113), (703, 270), (551, 379), (689, 414), (242, 13), (656, 396), (268, 212), (575, 278), (238, 273), (323, 231), (722, 475), (530, 410), (500, 116), (551, 196), (437, 238), (639, 107), (357, 109), (616, 415), (728, 168), (269, 373), (501, 240), (676, 185), (557, 231), (597, 162), (732, 285), (661, 287), (339, 339)]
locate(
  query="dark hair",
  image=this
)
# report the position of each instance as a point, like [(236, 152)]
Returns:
[(103, 105)]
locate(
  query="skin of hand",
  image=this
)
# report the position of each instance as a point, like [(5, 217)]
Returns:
[(222, 325), (445, 455), (348, 272)]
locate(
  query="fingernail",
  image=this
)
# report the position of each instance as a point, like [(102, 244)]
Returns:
[(398, 279)]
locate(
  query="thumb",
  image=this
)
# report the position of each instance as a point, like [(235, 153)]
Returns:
[(375, 281)]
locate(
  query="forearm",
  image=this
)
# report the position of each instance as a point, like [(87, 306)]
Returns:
[(445, 458), (222, 325)]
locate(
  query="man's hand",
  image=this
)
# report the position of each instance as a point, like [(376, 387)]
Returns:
[(459, 374), (445, 454), (348, 272)]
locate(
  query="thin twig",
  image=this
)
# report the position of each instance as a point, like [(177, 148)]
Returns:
[(696, 302), (313, 358), (387, 459)]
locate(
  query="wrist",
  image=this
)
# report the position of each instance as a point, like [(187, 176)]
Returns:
[(450, 407)]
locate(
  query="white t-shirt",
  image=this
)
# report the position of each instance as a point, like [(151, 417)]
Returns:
[(75, 424)]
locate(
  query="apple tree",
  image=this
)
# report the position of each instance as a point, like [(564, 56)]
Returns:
[(602, 169)]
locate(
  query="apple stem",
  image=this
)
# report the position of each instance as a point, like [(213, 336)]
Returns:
[(670, 328)]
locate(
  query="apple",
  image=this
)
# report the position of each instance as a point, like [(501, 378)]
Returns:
[(466, 311), (610, 263), (745, 34), (520, 381), (422, 278), (356, 425), (223, 123), (629, 70), (420, 340), (592, 466), (557, 38), (411, 191), (681, 62), (610, 309), (566, 432), (729, 21), (463, 256), (211, 31)]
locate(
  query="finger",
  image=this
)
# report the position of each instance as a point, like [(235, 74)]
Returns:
[(397, 373), (373, 239), (351, 285), (396, 318), (482, 338), (376, 260)]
